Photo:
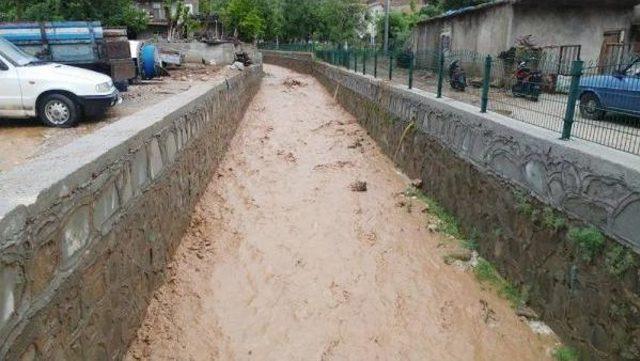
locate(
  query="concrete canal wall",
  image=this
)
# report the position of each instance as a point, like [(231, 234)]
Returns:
[(537, 207), (86, 231)]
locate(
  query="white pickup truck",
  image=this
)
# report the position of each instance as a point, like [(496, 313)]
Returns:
[(59, 95)]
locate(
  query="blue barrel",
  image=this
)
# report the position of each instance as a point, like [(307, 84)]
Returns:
[(148, 60)]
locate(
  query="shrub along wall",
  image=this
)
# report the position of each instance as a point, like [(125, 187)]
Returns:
[(86, 232), (559, 219)]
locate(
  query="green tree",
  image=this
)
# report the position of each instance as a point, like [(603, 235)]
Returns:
[(400, 26), (341, 20), (300, 19), (245, 17), (109, 12)]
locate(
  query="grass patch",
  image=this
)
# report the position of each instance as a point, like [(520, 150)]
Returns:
[(486, 273), (565, 353), (589, 241), (469, 244), (619, 260), (448, 223), (472, 243), (551, 220), (524, 207)]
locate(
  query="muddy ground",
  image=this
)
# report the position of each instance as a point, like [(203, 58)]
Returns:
[(305, 248), (21, 140)]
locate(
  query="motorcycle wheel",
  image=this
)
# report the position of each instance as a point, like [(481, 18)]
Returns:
[(516, 91)]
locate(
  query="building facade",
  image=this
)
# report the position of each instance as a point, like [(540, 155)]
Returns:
[(592, 29), (156, 11)]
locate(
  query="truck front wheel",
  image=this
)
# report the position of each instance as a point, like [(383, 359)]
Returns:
[(58, 110)]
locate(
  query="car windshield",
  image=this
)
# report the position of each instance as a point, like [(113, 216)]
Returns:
[(14, 55)]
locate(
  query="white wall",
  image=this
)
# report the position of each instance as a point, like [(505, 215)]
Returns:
[(583, 25)]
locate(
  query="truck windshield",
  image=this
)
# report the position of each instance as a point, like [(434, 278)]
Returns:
[(15, 55)]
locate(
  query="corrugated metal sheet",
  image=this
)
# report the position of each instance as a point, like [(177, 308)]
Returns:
[(72, 31)]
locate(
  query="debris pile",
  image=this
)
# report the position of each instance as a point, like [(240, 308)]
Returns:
[(292, 83), (359, 186)]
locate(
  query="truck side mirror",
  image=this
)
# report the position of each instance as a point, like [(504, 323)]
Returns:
[(3, 66)]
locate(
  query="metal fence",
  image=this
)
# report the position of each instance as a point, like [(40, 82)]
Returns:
[(548, 88)]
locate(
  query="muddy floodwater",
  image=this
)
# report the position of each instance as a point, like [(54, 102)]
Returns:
[(287, 258)]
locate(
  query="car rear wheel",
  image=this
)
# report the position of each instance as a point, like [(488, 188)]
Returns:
[(58, 110), (590, 107)]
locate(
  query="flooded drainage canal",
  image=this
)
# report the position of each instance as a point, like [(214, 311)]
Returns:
[(307, 245)]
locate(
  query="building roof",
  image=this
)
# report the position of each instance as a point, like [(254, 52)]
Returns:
[(482, 7), (394, 4), (466, 10)]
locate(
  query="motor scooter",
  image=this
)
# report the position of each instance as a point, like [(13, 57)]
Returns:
[(457, 76), (528, 83)]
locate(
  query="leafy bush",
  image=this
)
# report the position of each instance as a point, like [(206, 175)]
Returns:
[(619, 260), (589, 240), (565, 353)]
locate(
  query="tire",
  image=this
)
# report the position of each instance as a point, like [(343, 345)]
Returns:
[(591, 107), (122, 86), (58, 110)]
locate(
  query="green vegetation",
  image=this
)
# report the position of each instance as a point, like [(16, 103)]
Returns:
[(400, 27), (589, 241), (524, 207), (472, 242), (109, 12), (549, 218), (448, 223), (619, 260), (552, 220), (565, 353), (486, 273), (402, 22), (336, 21)]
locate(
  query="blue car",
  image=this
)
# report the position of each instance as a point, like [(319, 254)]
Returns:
[(618, 93)]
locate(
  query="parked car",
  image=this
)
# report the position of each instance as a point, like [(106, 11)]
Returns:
[(85, 44), (618, 92), (57, 94)]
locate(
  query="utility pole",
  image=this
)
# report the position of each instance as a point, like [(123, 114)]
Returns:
[(386, 27)]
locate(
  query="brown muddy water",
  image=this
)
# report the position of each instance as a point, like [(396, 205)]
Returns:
[(285, 261)]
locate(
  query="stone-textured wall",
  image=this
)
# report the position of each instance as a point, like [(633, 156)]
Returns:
[(507, 183), (300, 62), (85, 232)]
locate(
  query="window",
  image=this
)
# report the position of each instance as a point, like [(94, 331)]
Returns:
[(157, 12)]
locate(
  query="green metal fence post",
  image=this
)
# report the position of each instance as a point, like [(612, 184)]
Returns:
[(576, 73), (364, 61), (411, 60), (486, 81), (440, 74), (355, 61), (375, 64), (390, 66)]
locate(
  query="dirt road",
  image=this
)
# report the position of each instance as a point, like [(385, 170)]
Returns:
[(285, 261)]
